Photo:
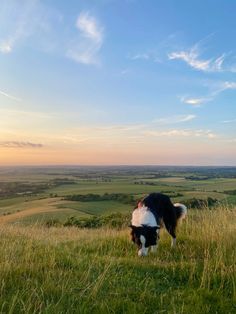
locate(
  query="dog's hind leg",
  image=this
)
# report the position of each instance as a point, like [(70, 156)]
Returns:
[(173, 242), (171, 231)]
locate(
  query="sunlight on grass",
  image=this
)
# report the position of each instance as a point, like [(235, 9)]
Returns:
[(70, 270)]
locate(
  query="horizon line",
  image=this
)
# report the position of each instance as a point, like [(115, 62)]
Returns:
[(114, 165)]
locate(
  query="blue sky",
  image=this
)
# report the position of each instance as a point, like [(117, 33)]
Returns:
[(117, 82)]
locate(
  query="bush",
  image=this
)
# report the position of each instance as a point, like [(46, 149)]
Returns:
[(200, 203), (116, 221), (119, 197)]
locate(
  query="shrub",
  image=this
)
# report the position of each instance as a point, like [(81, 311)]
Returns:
[(115, 220)]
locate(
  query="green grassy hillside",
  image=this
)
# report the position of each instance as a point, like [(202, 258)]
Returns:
[(70, 270)]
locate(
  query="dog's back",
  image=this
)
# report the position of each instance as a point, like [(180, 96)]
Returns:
[(162, 207)]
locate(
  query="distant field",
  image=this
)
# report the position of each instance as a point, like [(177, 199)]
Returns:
[(102, 187), (50, 185), (97, 208)]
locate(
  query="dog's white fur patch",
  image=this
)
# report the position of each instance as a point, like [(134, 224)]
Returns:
[(184, 210), (144, 250), (143, 216)]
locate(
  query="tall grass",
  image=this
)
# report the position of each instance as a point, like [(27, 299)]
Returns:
[(70, 270)]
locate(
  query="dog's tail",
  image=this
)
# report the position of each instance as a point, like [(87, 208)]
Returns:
[(181, 211)]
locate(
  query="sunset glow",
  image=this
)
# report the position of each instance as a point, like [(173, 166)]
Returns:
[(117, 82)]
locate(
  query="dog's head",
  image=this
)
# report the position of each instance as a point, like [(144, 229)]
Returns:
[(143, 236)]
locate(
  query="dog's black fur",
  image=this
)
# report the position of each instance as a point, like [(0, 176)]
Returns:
[(150, 234), (163, 210)]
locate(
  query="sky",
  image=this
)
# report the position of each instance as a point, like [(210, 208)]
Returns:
[(117, 82)]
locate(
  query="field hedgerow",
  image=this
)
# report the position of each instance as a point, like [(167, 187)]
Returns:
[(74, 270)]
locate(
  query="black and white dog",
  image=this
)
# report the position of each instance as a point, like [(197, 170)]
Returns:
[(151, 213)]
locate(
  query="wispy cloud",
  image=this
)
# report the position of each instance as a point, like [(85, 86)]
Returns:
[(175, 119), (140, 56), (18, 144), (193, 57), (227, 85), (21, 20), (9, 96), (5, 47), (146, 56), (182, 133), (194, 101), (91, 35), (218, 88), (229, 121), (122, 127), (89, 27)]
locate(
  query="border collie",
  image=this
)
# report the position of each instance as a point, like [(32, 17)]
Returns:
[(151, 213)]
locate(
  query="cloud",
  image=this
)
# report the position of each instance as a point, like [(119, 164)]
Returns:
[(193, 58), (175, 119), (91, 35), (182, 133), (89, 27), (16, 23), (140, 56), (223, 86), (195, 101), (9, 96), (5, 47), (147, 56), (229, 85), (21, 20), (38, 23), (217, 89), (17, 144), (229, 121), (123, 127)]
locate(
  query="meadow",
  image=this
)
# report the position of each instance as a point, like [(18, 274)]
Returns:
[(60, 269), (70, 270)]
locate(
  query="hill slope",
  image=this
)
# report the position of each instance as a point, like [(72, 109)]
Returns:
[(69, 270)]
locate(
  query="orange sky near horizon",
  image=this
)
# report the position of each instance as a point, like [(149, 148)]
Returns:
[(169, 152)]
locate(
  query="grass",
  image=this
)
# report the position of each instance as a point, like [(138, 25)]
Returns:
[(97, 208), (43, 218), (69, 270), (114, 187)]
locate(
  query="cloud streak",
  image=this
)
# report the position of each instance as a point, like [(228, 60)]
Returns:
[(194, 101), (218, 89), (9, 96), (181, 133), (175, 119), (24, 20), (19, 144), (91, 36), (229, 121), (193, 58)]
